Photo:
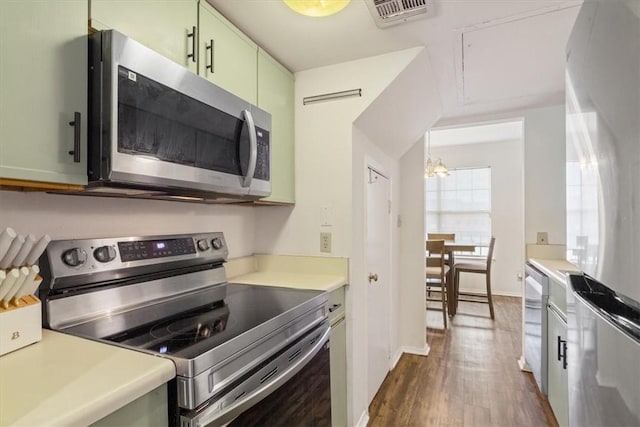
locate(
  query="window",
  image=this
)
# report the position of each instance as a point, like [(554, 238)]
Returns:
[(461, 203)]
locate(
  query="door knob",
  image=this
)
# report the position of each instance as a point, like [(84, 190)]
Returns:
[(373, 277)]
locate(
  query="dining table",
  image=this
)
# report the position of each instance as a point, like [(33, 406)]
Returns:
[(451, 247)]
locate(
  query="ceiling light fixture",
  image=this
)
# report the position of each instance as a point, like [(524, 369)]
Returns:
[(317, 8), (432, 168)]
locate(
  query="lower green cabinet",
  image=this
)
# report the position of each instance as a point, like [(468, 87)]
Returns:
[(338, 358), (149, 410), (557, 380)]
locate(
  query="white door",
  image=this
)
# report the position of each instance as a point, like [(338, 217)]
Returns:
[(379, 287)]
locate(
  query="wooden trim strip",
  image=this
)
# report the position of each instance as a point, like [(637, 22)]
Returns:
[(24, 185)]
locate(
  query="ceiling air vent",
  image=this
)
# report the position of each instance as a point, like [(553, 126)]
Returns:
[(393, 12)]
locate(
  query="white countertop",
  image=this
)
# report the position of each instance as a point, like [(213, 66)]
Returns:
[(318, 282), (554, 268), (66, 380)]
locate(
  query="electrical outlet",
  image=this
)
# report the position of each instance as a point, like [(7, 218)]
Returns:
[(325, 242), (543, 238)]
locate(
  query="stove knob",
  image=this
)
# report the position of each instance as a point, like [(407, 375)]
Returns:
[(217, 243), (203, 245), (74, 257), (104, 253)]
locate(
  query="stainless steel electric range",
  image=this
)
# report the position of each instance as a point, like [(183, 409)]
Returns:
[(234, 346)]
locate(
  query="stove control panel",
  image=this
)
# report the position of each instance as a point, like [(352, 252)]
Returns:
[(148, 249), (69, 258)]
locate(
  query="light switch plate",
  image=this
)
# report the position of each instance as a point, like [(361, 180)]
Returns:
[(326, 216), (543, 238)]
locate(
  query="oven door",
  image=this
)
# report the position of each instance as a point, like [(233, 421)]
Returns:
[(155, 123), (292, 387)]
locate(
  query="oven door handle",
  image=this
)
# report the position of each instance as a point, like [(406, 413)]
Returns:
[(253, 148), (229, 413)]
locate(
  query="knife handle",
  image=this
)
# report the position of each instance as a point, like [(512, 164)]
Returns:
[(38, 249), (6, 237), (23, 274), (8, 282), (16, 244), (26, 287), (26, 247)]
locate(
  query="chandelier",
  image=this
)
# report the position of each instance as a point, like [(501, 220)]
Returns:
[(432, 168)]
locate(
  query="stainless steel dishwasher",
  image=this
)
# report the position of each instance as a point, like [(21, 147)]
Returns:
[(536, 291)]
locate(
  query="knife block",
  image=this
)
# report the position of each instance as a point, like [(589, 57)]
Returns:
[(20, 325)]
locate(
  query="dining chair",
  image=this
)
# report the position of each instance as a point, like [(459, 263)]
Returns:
[(442, 236), (436, 274), (478, 268)]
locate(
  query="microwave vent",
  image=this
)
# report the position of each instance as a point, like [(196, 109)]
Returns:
[(393, 12)]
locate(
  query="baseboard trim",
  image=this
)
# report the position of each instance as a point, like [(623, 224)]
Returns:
[(396, 358), (524, 366), (420, 351), (364, 419)]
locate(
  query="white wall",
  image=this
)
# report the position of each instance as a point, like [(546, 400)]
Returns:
[(65, 217), (507, 210), (412, 231), (544, 169)]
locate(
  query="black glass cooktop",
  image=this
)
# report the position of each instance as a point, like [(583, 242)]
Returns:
[(189, 334)]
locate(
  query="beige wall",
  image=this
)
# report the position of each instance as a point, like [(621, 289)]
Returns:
[(66, 217)]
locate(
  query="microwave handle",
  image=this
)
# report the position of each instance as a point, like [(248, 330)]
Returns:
[(253, 151)]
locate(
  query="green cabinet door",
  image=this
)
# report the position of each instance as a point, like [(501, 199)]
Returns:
[(43, 83), (557, 380), (166, 26), (228, 58), (338, 356), (276, 95)]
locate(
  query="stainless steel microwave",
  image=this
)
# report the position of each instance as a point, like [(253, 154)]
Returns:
[(155, 128)]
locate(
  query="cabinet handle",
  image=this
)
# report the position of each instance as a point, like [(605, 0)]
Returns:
[(192, 36), (562, 352), (210, 48), (334, 307), (77, 136)]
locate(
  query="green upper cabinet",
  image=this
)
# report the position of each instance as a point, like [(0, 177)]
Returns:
[(43, 86), (167, 26), (275, 95), (228, 58)]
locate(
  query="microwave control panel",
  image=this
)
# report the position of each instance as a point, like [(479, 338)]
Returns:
[(263, 157)]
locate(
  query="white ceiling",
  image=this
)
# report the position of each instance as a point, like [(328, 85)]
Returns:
[(489, 56)]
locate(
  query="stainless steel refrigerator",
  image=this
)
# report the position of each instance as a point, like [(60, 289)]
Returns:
[(603, 214)]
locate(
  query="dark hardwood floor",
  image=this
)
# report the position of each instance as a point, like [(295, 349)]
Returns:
[(470, 377)]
